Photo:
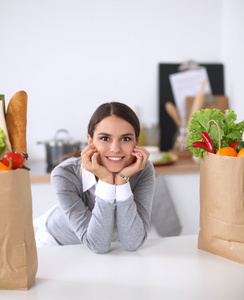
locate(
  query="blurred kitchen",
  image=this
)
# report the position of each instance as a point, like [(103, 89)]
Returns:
[(71, 56)]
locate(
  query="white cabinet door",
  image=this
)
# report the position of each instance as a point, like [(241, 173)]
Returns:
[(185, 192), (43, 198)]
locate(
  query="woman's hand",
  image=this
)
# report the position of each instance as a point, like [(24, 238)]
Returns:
[(141, 158), (90, 162)]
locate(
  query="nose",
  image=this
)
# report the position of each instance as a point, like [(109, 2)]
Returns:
[(115, 147)]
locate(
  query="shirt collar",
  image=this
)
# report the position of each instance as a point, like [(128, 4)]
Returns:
[(88, 180)]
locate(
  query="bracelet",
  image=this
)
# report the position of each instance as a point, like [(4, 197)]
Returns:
[(122, 176)]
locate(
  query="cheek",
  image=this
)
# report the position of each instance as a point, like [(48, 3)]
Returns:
[(100, 148), (96, 143), (130, 149)]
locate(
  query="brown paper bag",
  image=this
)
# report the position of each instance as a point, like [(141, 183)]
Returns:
[(222, 206), (18, 254)]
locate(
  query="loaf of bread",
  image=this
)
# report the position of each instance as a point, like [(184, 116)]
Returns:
[(16, 121)]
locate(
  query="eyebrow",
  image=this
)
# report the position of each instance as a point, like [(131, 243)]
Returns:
[(126, 134)]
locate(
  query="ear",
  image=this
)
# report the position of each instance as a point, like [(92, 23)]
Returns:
[(89, 139), (138, 139)]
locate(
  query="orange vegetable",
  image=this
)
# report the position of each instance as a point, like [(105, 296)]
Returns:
[(3, 167), (227, 151), (241, 153)]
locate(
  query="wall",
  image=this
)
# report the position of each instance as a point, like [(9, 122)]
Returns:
[(232, 53), (70, 56)]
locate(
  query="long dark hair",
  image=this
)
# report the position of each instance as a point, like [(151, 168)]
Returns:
[(117, 109)]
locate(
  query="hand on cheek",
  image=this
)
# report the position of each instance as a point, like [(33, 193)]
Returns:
[(91, 162), (141, 156)]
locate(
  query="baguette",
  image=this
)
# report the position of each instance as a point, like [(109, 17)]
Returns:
[(3, 126), (16, 121)]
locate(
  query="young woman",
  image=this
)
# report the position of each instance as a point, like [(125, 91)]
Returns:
[(106, 193)]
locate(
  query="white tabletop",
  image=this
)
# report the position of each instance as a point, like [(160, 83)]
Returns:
[(164, 268)]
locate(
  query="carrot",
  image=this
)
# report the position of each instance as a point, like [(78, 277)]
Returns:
[(3, 167)]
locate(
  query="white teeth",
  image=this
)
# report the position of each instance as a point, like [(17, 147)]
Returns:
[(114, 158)]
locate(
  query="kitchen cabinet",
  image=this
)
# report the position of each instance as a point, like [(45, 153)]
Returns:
[(43, 198), (182, 180), (185, 194)]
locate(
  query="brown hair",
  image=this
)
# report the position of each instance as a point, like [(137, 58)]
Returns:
[(118, 109)]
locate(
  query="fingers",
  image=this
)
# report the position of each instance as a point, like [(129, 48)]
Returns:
[(141, 153), (90, 162), (87, 154)]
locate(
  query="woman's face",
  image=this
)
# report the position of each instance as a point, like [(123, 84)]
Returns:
[(115, 139)]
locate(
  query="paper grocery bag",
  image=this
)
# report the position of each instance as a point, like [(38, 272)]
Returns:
[(222, 206), (18, 254)]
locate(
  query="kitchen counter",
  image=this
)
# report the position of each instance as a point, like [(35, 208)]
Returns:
[(183, 165), (164, 268), (38, 171)]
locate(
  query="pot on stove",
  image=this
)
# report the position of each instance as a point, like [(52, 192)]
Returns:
[(59, 146)]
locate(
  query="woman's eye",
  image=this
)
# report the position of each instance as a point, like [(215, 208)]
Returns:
[(104, 138), (126, 139)]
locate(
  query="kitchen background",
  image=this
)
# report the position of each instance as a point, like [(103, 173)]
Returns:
[(72, 55)]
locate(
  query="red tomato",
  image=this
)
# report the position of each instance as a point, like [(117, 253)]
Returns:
[(16, 158), (233, 145)]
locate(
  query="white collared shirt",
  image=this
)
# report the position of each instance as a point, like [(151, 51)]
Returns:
[(107, 192)]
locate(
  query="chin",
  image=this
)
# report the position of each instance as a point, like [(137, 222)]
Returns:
[(117, 167), (114, 169)]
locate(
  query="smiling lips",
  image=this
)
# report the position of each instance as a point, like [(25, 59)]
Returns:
[(115, 159)]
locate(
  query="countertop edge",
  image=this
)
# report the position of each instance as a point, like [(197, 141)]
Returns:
[(181, 166)]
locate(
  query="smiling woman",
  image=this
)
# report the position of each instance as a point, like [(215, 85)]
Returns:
[(114, 147), (106, 193)]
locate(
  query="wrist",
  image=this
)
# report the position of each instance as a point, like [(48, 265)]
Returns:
[(121, 179), (105, 191), (107, 179)]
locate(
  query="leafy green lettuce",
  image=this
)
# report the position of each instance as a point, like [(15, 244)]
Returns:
[(2, 140), (230, 131)]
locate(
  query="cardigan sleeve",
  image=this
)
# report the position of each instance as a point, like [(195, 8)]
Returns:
[(134, 214), (93, 229)]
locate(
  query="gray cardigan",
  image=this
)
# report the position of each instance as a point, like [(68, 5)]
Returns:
[(75, 220)]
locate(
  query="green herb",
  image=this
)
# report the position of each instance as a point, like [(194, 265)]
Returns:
[(2, 140), (230, 131), (166, 158), (2, 99)]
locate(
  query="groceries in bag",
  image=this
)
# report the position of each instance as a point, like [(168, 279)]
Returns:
[(18, 253), (204, 135), (13, 132), (221, 182)]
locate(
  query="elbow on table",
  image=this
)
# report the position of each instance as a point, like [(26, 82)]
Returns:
[(99, 249), (132, 246), (97, 246)]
